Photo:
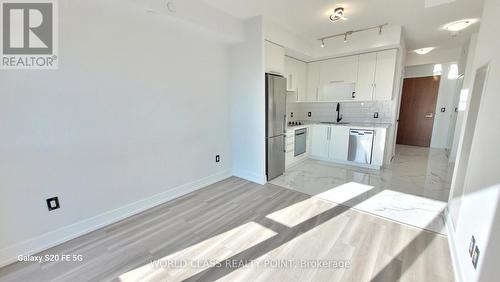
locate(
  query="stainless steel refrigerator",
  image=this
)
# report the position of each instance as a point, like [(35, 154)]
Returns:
[(275, 125)]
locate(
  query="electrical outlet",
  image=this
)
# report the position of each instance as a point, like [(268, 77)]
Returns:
[(475, 257), (217, 158), (309, 114), (375, 115), (53, 203)]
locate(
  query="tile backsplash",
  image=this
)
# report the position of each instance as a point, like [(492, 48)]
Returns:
[(351, 111)]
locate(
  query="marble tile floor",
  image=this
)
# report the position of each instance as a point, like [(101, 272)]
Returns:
[(412, 190)]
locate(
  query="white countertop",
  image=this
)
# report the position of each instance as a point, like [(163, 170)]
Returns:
[(350, 124)]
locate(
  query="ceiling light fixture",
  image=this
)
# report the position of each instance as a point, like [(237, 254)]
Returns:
[(459, 25), (338, 14), (345, 34), (423, 51)]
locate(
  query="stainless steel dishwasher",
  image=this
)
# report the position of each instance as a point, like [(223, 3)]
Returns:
[(300, 141), (360, 146)]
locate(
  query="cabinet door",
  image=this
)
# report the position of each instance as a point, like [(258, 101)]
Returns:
[(339, 143), (312, 81), (340, 70), (366, 77), (296, 76), (320, 140), (274, 58), (301, 81), (384, 75), (289, 73)]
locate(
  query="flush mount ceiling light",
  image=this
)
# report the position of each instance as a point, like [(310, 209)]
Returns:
[(459, 25), (338, 14), (423, 51)]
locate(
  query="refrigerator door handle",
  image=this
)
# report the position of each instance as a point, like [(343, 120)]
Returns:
[(284, 124), (284, 143)]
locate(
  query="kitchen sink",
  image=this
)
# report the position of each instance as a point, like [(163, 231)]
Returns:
[(331, 122)]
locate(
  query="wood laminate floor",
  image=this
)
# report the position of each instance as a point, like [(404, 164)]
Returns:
[(236, 230)]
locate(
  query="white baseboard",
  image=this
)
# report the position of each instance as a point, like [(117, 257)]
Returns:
[(250, 176), (453, 250), (45, 241)]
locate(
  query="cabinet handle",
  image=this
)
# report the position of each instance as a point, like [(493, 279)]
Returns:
[(297, 94), (317, 98)]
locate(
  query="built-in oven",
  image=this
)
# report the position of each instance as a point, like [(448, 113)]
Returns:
[(300, 141)]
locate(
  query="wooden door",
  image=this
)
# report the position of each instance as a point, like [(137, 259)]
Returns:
[(418, 105)]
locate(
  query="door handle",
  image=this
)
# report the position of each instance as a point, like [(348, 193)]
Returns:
[(429, 115), (284, 124), (284, 143)]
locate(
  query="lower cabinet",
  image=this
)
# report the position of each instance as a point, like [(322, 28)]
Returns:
[(330, 142), (339, 143), (320, 140)]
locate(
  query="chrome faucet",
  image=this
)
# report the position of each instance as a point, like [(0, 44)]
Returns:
[(339, 116)]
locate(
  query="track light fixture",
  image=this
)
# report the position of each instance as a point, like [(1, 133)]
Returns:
[(345, 34)]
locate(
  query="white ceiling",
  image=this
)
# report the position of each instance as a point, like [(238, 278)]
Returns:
[(309, 18)]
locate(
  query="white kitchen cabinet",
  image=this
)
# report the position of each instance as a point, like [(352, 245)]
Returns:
[(339, 70), (339, 143), (313, 70), (274, 58), (320, 140), (366, 76), (384, 75), (296, 76)]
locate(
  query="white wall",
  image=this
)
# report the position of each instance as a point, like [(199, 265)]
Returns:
[(467, 84), (134, 116), (310, 49), (248, 104), (446, 93), (434, 57), (295, 45), (479, 214)]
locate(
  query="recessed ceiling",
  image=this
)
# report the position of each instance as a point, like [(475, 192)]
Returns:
[(423, 27)]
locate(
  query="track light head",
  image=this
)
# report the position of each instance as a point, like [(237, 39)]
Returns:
[(322, 43)]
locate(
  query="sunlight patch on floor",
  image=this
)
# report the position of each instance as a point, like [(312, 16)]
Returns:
[(304, 210), (196, 258)]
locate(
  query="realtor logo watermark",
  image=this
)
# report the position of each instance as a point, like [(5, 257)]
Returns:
[(29, 34)]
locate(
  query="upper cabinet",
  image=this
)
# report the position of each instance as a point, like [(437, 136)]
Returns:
[(339, 70), (384, 75), (366, 76), (274, 58), (296, 76), (313, 70)]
